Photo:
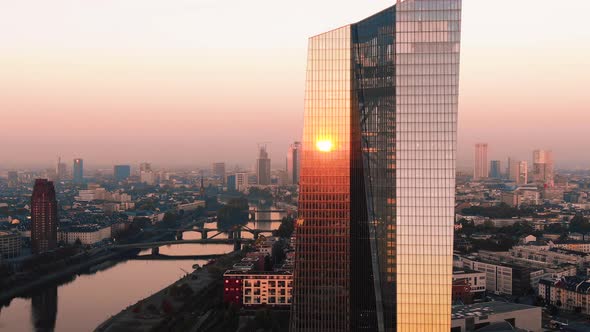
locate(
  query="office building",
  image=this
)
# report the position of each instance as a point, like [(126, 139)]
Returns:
[(121, 172), (504, 278), (62, 171), (518, 171), (231, 182), (263, 166), (78, 171), (10, 244), (495, 169), (43, 217), (12, 179), (218, 170), (543, 170), (241, 181), (480, 170), (293, 163), (146, 174), (377, 183), (257, 288)]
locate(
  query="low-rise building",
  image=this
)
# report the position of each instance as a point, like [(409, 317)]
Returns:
[(476, 316), (253, 289), (190, 206), (574, 245), (475, 279), (504, 278), (569, 293), (88, 235)]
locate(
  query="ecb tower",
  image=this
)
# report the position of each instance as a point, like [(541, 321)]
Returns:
[(377, 184)]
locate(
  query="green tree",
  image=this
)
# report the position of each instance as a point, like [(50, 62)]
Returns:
[(286, 228)]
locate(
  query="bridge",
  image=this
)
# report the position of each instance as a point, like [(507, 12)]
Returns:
[(159, 256), (237, 242), (234, 232)]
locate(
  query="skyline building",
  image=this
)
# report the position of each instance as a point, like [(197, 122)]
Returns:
[(146, 174), (43, 217), (218, 170), (518, 171), (480, 170), (12, 179), (293, 163), (543, 169), (121, 172), (61, 170), (78, 171), (495, 169), (263, 166), (377, 184)]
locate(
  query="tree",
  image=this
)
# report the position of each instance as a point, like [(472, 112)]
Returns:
[(579, 224), (286, 228), (234, 213), (170, 218)]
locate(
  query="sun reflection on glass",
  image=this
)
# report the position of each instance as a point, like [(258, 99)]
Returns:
[(324, 145)]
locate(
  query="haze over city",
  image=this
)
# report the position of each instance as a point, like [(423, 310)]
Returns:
[(171, 83)]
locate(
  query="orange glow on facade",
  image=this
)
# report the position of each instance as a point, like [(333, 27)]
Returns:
[(324, 145)]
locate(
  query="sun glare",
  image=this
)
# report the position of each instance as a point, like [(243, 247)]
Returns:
[(324, 145)]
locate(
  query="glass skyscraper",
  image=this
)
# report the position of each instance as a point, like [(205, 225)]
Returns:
[(377, 183)]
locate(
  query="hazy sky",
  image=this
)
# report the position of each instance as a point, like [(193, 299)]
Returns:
[(189, 82)]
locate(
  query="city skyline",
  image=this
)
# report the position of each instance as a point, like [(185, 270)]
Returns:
[(501, 90)]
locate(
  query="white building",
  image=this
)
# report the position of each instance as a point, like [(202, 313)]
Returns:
[(87, 235)]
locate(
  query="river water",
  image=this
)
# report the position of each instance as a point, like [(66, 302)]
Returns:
[(88, 300)]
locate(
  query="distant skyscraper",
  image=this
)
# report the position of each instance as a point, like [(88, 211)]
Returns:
[(62, 170), (495, 169), (241, 181), (146, 175), (518, 171), (377, 186), (12, 179), (543, 169), (263, 166), (78, 171), (231, 182), (121, 172), (293, 163), (43, 217), (218, 170), (480, 171)]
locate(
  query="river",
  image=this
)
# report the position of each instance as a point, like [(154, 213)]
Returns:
[(88, 300)]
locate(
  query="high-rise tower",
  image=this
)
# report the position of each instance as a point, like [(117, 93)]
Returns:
[(377, 184), (78, 171), (543, 169), (293, 163), (43, 217), (480, 169), (263, 166)]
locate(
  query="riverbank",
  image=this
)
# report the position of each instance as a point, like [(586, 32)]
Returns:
[(21, 290), (187, 299)]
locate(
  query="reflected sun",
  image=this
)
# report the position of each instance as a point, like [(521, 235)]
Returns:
[(324, 145)]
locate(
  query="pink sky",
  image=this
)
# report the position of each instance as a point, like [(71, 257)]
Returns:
[(190, 82)]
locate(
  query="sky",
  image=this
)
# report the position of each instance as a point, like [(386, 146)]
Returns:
[(191, 82)]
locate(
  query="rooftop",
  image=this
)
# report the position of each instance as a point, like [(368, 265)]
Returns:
[(487, 308)]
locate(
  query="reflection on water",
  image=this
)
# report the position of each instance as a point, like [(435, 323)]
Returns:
[(92, 298), (44, 310)]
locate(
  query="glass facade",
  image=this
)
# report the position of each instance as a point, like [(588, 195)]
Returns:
[(374, 238)]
